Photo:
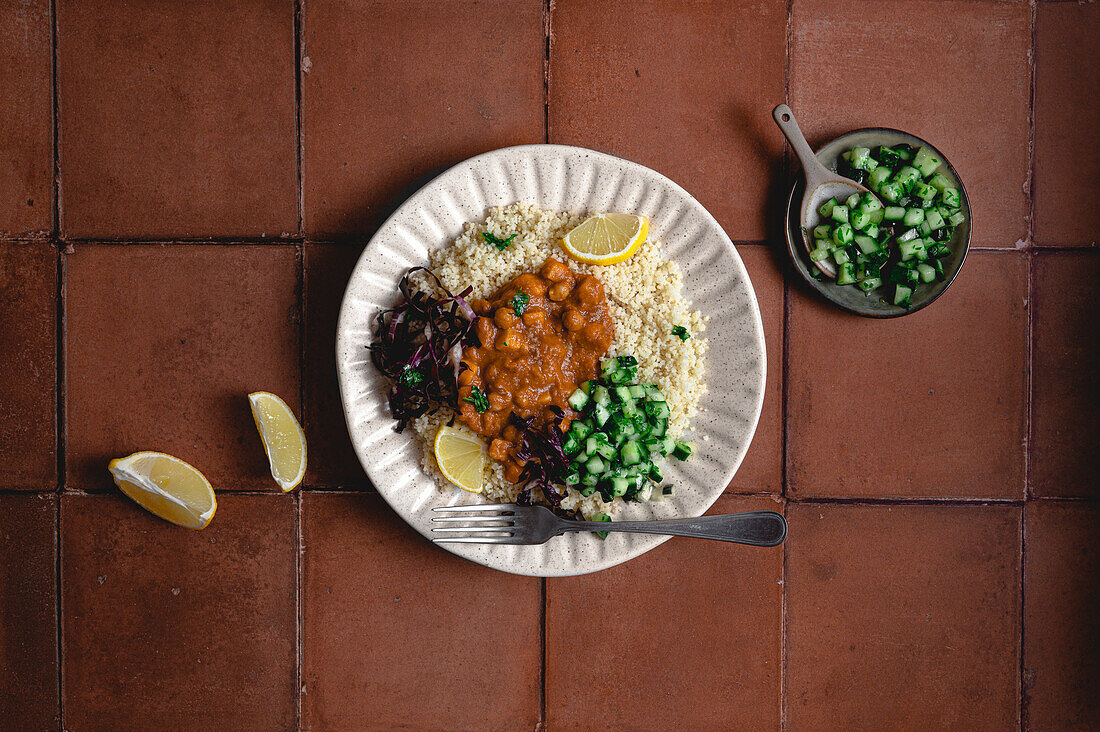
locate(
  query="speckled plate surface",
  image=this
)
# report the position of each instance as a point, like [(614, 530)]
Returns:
[(557, 177)]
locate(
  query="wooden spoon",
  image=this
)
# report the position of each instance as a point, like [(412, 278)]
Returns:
[(821, 183)]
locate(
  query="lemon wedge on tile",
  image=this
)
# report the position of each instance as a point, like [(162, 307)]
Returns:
[(461, 457), (283, 438), (606, 238), (166, 487)]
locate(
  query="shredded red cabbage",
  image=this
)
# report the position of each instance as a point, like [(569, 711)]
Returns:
[(418, 346), (546, 462)]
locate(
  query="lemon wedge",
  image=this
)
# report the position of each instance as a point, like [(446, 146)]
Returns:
[(461, 456), (166, 487), (284, 441), (606, 238)]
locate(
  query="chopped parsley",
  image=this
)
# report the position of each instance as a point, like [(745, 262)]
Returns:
[(410, 376), (681, 332), (519, 302), (500, 244), (479, 400)]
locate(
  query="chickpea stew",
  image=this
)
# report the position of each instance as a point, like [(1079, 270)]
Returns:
[(538, 338)]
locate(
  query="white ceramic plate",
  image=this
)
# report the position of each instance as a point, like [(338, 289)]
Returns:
[(557, 177)]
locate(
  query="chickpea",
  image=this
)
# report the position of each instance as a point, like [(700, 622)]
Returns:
[(512, 340), (512, 472), (526, 399), (572, 319), (554, 270), (465, 377), (544, 398), (511, 433), (530, 284), (589, 290), (486, 331), (594, 333), (481, 307), (499, 399), (505, 318), (498, 449), (534, 316), (559, 291), (492, 422)]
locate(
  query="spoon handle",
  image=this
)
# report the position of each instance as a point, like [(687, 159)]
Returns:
[(813, 168)]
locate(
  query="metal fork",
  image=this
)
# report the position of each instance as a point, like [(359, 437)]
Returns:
[(509, 523)]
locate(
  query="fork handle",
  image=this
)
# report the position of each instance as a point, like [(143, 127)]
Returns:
[(759, 528)]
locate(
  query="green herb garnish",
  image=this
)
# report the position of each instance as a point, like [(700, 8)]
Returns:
[(410, 376), (601, 517), (519, 302), (500, 244), (681, 332), (479, 400)]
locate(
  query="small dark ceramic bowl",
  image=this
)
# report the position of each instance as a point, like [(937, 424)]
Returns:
[(877, 304)]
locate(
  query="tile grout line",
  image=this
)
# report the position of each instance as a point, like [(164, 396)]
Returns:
[(784, 620), (1021, 679), (299, 651), (59, 358), (542, 723), (547, 16), (298, 126)]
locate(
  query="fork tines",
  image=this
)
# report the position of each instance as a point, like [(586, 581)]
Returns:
[(493, 524)]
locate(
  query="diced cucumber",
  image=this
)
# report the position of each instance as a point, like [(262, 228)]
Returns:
[(869, 203), (630, 453), (600, 395), (907, 176), (621, 393), (925, 228), (637, 391), (950, 197), (852, 201), (600, 517), (911, 249), (601, 414), (935, 220), (924, 192), (572, 477), (869, 283), (893, 213), (595, 465), (656, 410), (857, 156), (840, 255), (892, 192), (578, 400), (570, 445), (842, 234), (878, 178), (683, 450), (926, 162), (819, 255), (866, 244), (907, 235), (859, 219), (956, 218), (939, 250), (927, 272), (580, 429), (913, 217), (887, 155), (845, 274), (939, 181), (826, 209), (840, 214), (902, 295), (822, 231)]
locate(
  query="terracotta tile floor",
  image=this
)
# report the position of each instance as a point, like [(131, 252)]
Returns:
[(184, 189)]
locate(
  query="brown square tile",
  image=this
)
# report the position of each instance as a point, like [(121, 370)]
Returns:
[(26, 118), (684, 88), (969, 97), (28, 597), (1061, 603), (177, 119), (762, 470), (162, 346), (686, 636), (170, 628), (903, 616), (932, 404), (28, 370), (399, 633), (1065, 399), (1067, 122), (392, 92), (332, 459)]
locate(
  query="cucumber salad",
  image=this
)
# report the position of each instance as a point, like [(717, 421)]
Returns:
[(617, 443), (897, 241)]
